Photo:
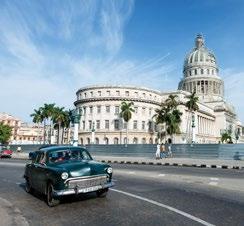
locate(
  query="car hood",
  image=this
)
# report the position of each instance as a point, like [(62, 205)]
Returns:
[(82, 168)]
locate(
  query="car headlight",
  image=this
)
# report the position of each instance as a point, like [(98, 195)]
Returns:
[(109, 170), (64, 175)]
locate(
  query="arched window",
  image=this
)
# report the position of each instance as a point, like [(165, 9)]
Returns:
[(143, 140), (97, 140), (195, 71), (88, 141), (156, 140), (135, 140), (208, 71), (125, 139), (106, 141), (116, 140), (150, 141), (201, 71), (81, 141)]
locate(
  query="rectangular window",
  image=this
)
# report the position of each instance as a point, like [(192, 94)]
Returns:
[(107, 109), (136, 110), (116, 124), (134, 124), (90, 124), (116, 110), (108, 93), (117, 93), (98, 109), (136, 94), (99, 93), (83, 125), (91, 109), (98, 124), (144, 95), (143, 110), (84, 108), (106, 124), (85, 95), (143, 125), (150, 111), (127, 93), (91, 93)]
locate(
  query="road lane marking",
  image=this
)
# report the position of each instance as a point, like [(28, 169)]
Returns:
[(214, 178), (213, 183), (131, 172), (187, 215), (161, 175)]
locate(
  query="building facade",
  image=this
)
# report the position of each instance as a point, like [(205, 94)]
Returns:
[(22, 133), (100, 106)]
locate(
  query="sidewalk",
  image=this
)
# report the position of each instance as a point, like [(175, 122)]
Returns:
[(187, 162)]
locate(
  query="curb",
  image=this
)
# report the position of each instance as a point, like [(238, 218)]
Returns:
[(162, 164), (172, 164)]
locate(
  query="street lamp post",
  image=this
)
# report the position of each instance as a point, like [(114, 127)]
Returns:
[(93, 133), (75, 119), (193, 128)]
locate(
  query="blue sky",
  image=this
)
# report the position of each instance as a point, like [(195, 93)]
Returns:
[(49, 49)]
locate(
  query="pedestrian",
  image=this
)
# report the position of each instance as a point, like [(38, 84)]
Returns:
[(158, 151), (169, 152), (162, 151)]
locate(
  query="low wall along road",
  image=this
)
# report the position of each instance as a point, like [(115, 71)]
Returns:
[(195, 151)]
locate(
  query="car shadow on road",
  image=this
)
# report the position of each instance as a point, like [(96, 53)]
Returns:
[(64, 199)]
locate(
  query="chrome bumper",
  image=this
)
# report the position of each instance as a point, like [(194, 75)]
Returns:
[(81, 190)]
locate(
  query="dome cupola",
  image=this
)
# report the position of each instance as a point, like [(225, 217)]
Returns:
[(200, 72)]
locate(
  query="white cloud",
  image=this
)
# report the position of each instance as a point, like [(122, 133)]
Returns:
[(50, 51)]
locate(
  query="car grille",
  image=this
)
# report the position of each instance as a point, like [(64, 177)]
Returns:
[(87, 182)]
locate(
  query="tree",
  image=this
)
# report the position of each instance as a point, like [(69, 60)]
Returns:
[(58, 118), (169, 115), (47, 113), (5, 133), (226, 137), (37, 117), (192, 106), (126, 114)]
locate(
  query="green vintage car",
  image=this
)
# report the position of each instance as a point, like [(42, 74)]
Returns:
[(65, 170)]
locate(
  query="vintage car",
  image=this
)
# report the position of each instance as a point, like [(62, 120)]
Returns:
[(5, 152), (65, 170)]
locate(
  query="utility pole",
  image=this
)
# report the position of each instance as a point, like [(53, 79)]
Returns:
[(75, 119)]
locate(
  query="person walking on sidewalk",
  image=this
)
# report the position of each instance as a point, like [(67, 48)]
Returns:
[(162, 151), (158, 151)]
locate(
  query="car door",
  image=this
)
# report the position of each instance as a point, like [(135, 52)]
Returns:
[(41, 170)]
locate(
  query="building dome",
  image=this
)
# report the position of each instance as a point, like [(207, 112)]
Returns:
[(200, 73)]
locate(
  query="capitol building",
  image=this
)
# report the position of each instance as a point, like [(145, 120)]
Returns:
[(100, 122)]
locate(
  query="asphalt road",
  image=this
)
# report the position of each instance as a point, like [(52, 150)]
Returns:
[(143, 195)]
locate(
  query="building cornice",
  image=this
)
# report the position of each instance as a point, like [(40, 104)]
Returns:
[(87, 100)]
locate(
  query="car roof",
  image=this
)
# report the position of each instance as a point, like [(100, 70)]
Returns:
[(56, 148)]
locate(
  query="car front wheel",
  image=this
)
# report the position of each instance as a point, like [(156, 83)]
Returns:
[(102, 193), (51, 200)]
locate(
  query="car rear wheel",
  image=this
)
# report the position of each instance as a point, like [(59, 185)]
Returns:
[(51, 200), (102, 193), (28, 187)]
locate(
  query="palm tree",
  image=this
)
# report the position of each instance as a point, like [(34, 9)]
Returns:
[(226, 137), (58, 117), (192, 106), (47, 112), (126, 114), (37, 117), (169, 115)]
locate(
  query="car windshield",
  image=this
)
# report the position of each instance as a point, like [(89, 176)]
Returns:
[(68, 155)]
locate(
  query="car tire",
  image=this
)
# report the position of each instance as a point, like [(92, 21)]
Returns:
[(102, 193), (28, 187), (51, 200)]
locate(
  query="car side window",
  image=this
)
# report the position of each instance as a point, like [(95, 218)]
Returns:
[(85, 156), (40, 158)]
